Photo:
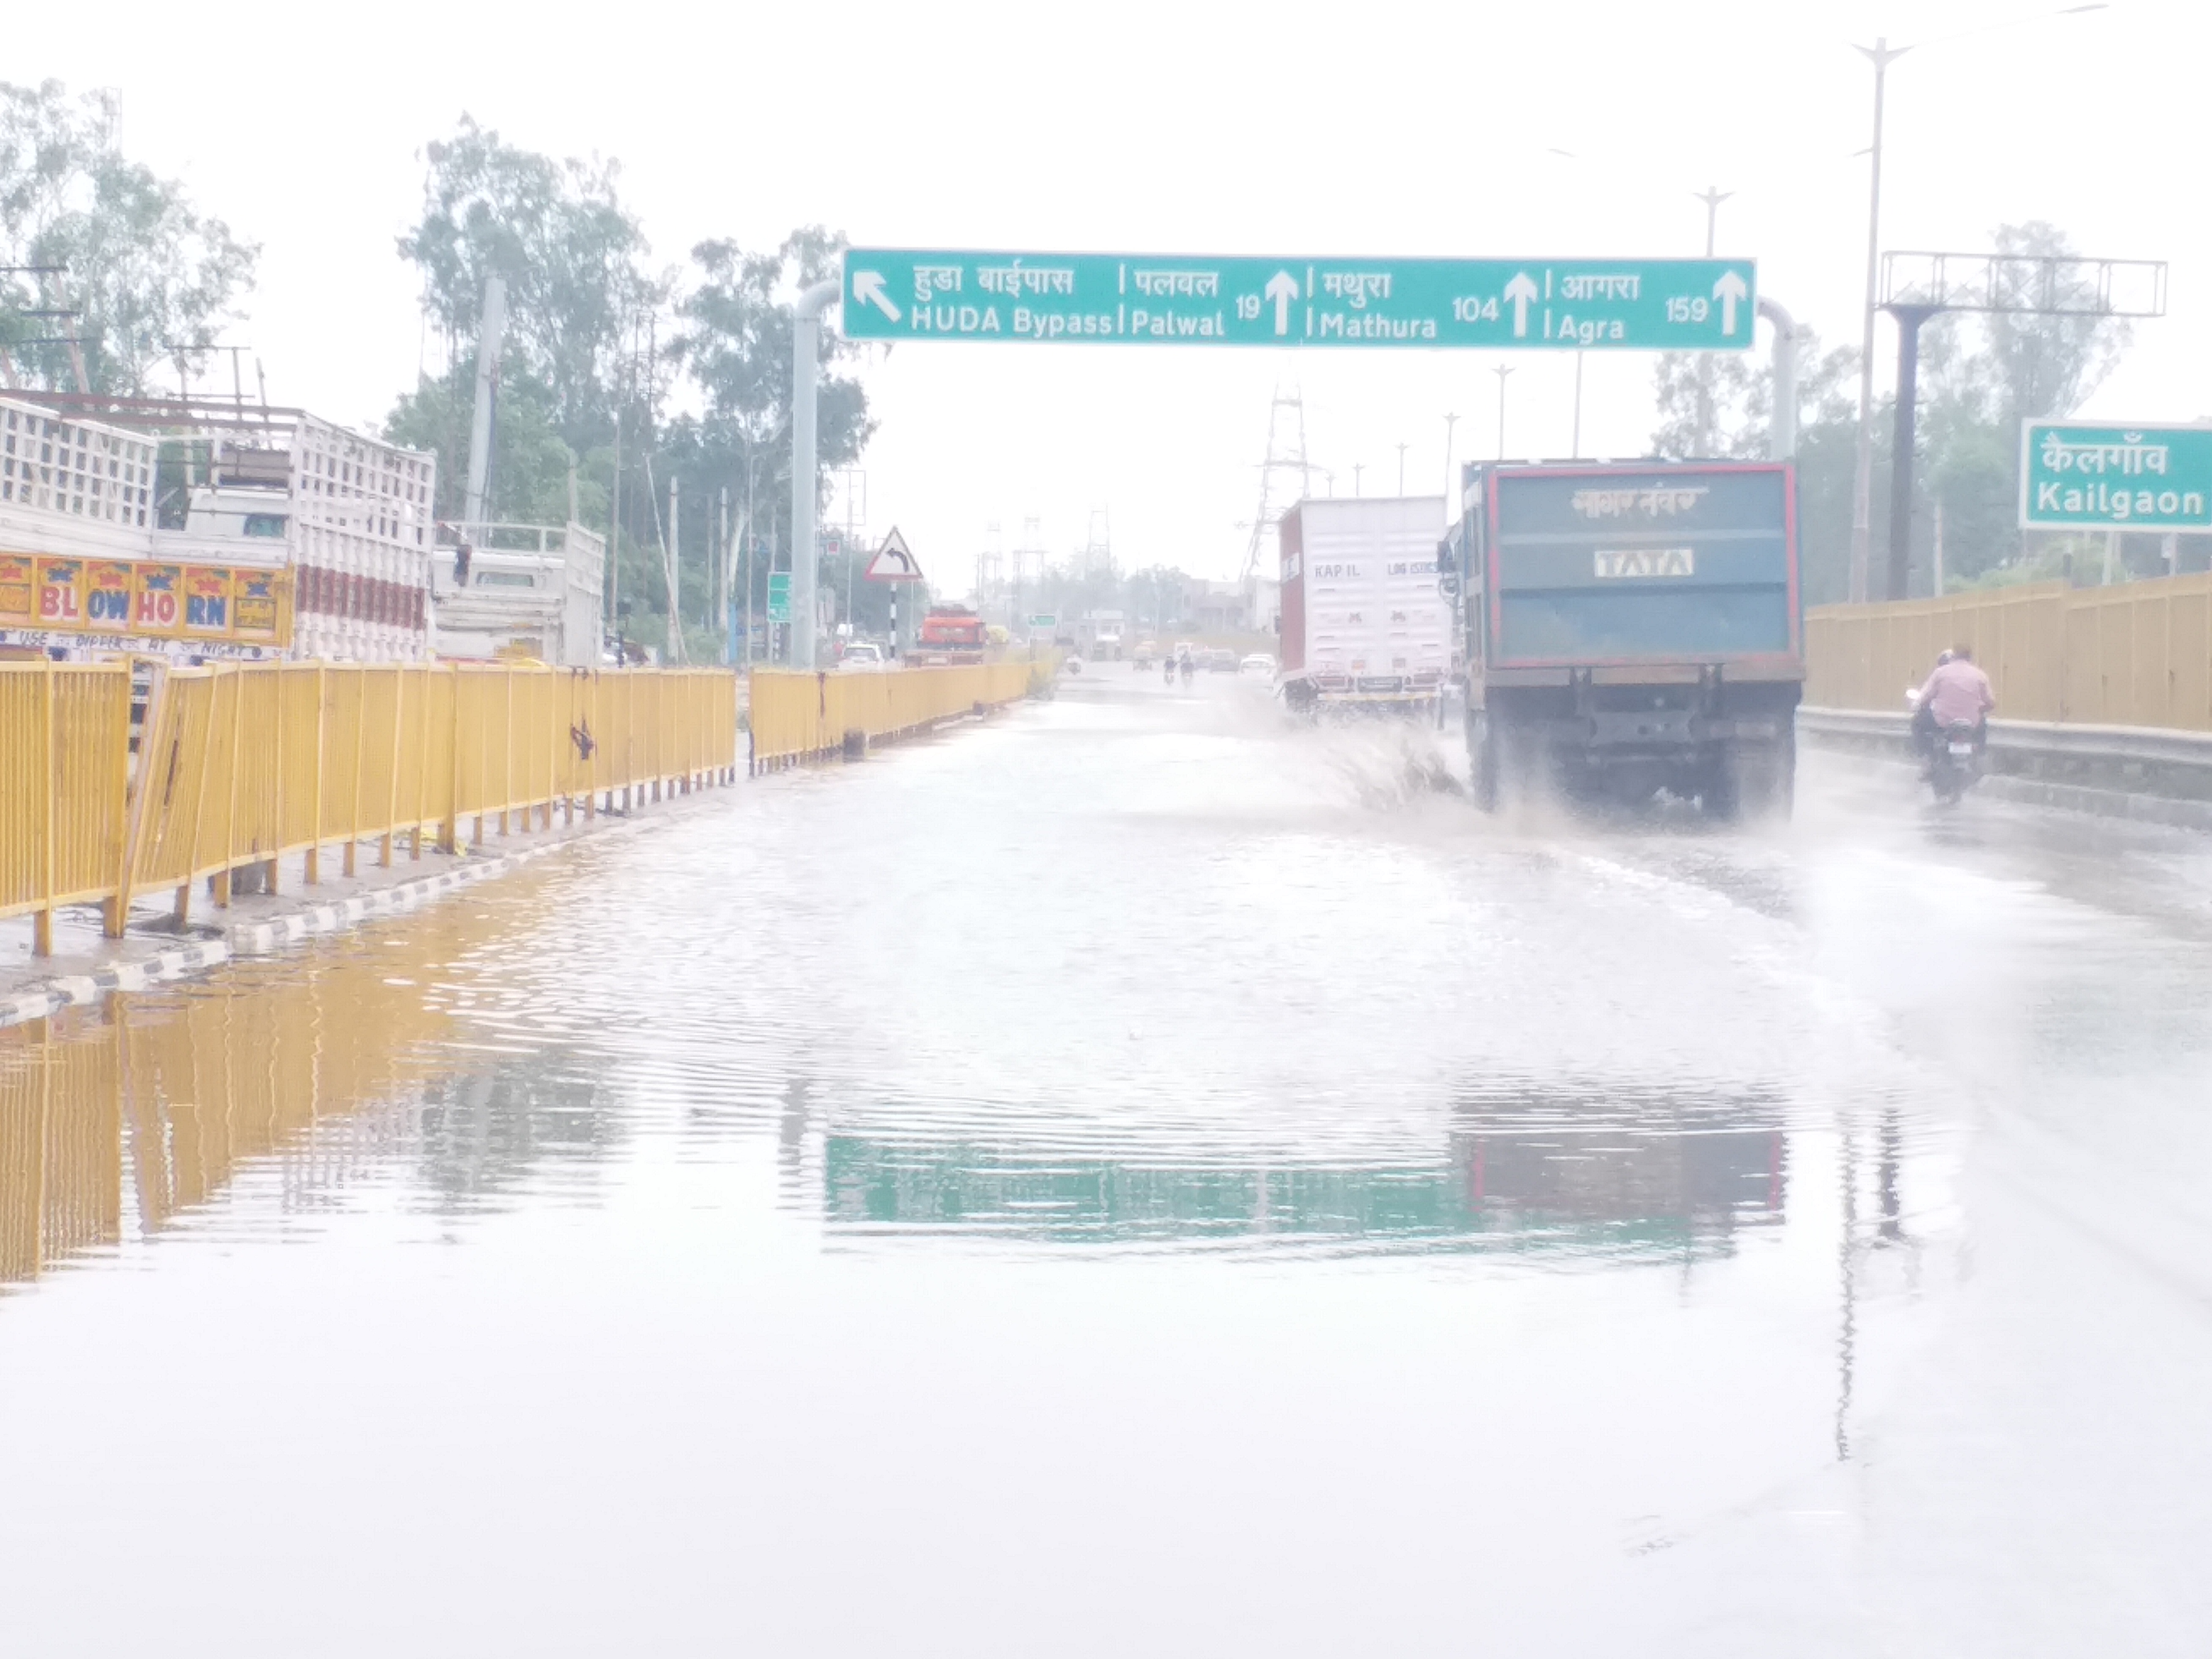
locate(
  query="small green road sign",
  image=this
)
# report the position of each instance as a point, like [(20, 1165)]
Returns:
[(1116, 298), (1044, 622), (779, 596), (2115, 478)]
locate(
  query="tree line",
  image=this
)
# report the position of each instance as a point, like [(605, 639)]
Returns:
[(681, 373), (677, 373), (601, 348), (107, 273)]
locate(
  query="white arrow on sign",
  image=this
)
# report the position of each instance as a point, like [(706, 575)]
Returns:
[(894, 561), (1282, 288), (868, 289), (1522, 290), (1730, 292)]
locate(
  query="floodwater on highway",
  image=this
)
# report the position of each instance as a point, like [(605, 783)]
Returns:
[(1139, 1177)]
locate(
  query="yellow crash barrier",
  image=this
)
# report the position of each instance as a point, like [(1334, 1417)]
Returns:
[(799, 716), (243, 764)]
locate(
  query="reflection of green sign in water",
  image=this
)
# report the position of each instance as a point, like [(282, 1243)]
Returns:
[(1620, 1194), (1177, 298), (2115, 478), (779, 596)]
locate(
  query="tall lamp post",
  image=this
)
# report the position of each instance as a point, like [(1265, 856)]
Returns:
[(1713, 196), (1450, 493), (1577, 441), (1882, 55), (805, 365), (1502, 370)]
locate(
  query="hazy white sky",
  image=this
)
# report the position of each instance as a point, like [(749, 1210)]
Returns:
[(1376, 128)]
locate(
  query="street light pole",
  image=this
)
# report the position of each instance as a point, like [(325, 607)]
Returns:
[(1501, 370), (1713, 196), (1578, 406), (1781, 432), (805, 365), (1881, 54), (1450, 420), (1402, 449)]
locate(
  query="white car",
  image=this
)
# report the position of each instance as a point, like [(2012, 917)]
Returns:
[(861, 656), (1259, 663)]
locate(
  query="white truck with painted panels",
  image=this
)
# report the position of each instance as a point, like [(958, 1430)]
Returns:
[(1363, 622)]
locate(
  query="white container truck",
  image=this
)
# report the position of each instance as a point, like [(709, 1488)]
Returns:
[(1364, 623)]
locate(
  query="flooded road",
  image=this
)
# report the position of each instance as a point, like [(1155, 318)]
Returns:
[(1137, 1177)]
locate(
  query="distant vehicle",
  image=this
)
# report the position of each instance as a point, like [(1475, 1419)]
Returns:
[(1221, 661), (1074, 664), (1365, 626), (949, 634), (1143, 655), (1259, 663), (861, 655), (1099, 636), (1634, 627)]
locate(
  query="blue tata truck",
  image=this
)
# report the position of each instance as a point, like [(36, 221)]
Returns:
[(1631, 627)]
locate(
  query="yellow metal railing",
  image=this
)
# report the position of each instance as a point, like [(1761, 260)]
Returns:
[(65, 757), (246, 764), (60, 1146), (798, 716), (168, 1095), (2136, 654)]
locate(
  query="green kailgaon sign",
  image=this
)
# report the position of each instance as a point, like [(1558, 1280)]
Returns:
[(2115, 478)]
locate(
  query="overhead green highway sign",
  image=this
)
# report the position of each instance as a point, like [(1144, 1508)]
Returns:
[(1114, 299), (2074, 476)]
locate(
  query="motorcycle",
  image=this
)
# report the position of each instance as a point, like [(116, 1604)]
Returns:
[(1951, 754)]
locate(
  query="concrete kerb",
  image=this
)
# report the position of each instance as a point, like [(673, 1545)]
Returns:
[(43, 999)]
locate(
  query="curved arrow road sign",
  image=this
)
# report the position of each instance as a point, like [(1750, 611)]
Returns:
[(894, 561)]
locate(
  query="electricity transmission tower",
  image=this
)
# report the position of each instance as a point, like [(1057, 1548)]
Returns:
[(1284, 477)]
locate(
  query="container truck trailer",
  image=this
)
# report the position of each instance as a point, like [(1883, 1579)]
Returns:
[(1364, 623), (1632, 628)]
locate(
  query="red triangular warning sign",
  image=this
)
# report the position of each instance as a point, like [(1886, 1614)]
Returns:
[(894, 561)]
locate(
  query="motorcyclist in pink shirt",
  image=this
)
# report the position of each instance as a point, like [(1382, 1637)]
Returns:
[(1957, 694)]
